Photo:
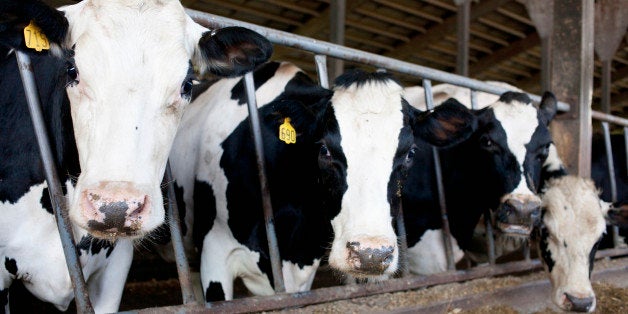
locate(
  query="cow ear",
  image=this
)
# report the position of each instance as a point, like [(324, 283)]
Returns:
[(617, 215), (548, 106), (233, 51), (17, 14), (448, 124)]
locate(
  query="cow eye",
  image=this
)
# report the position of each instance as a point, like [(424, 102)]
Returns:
[(186, 88), (73, 74), (324, 151), (486, 142), (410, 156), (543, 152)]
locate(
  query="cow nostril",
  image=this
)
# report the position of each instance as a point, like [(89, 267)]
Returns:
[(576, 304)]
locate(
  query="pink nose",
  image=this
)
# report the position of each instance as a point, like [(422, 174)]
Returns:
[(114, 207)]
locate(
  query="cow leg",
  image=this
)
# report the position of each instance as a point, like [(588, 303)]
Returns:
[(106, 286), (222, 260), (298, 279)]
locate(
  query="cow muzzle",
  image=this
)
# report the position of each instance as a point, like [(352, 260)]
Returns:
[(518, 214), (370, 256), (114, 209), (577, 304)]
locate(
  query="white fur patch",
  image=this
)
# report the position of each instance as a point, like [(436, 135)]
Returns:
[(428, 256)]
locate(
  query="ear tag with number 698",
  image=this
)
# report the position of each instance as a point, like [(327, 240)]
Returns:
[(34, 38), (287, 132)]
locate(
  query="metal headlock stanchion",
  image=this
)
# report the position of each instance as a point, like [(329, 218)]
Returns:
[(273, 248), (611, 176), (81, 295), (429, 103), (183, 268)]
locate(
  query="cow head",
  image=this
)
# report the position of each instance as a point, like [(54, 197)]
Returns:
[(364, 135), (129, 77), (573, 223), (515, 143)]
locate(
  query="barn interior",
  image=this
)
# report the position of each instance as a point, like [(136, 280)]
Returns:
[(504, 44)]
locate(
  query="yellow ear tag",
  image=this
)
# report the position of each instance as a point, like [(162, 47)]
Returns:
[(287, 132), (35, 38)]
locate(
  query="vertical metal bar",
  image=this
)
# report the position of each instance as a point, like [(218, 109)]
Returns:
[(463, 20), (429, 101), (81, 295), (337, 32), (403, 241), (474, 99), (183, 268), (606, 86), (626, 144), (611, 176), (321, 70), (490, 236), (526, 250), (546, 62), (273, 248)]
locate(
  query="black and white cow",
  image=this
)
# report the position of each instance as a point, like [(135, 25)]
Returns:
[(112, 95), (336, 188), (500, 167), (573, 223)]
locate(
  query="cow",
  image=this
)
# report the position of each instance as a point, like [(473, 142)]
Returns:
[(336, 187), (510, 153), (573, 223), (113, 88)]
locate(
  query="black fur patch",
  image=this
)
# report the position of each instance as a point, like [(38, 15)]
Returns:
[(360, 77), (545, 252), (508, 97), (592, 255), (89, 244), (11, 265), (45, 201), (4, 299), (204, 213), (214, 292)]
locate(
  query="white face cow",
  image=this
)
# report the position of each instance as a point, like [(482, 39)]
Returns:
[(129, 79), (573, 223)]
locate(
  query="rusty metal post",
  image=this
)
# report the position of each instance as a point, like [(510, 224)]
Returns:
[(429, 103), (183, 268), (463, 21), (541, 13), (610, 27), (572, 82), (611, 176), (57, 198), (269, 218), (403, 241)]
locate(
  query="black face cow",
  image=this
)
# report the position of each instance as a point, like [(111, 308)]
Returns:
[(127, 69), (500, 167), (338, 183)]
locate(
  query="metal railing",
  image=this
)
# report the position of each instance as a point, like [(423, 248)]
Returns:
[(321, 50)]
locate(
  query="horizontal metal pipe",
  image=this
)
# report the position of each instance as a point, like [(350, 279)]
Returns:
[(350, 54), (609, 118)]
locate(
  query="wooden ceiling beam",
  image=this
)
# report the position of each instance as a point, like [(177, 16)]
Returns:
[(253, 11), (391, 20), (293, 7), (504, 54), (376, 30), (403, 8), (315, 24), (437, 32)]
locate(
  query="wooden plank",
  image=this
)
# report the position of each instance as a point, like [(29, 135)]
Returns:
[(376, 30), (252, 11), (392, 20), (506, 53), (404, 8), (293, 7)]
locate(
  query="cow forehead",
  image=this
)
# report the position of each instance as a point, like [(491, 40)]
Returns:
[(573, 211), (370, 119), (118, 37)]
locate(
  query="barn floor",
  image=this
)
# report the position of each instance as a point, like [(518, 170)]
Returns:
[(153, 283)]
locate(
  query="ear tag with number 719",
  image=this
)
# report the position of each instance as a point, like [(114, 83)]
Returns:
[(34, 38), (287, 132)]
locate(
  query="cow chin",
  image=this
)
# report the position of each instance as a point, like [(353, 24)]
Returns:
[(116, 209), (573, 302)]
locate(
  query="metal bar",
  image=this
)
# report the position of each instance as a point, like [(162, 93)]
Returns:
[(546, 62), (338, 9), (474, 99), (463, 19), (329, 294), (403, 241), (490, 236), (609, 118), (350, 54), (449, 252), (606, 86), (321, 70), (526, 250), (273, 248), (611, 177), (57, 198), (183, 268), (626, 143)]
